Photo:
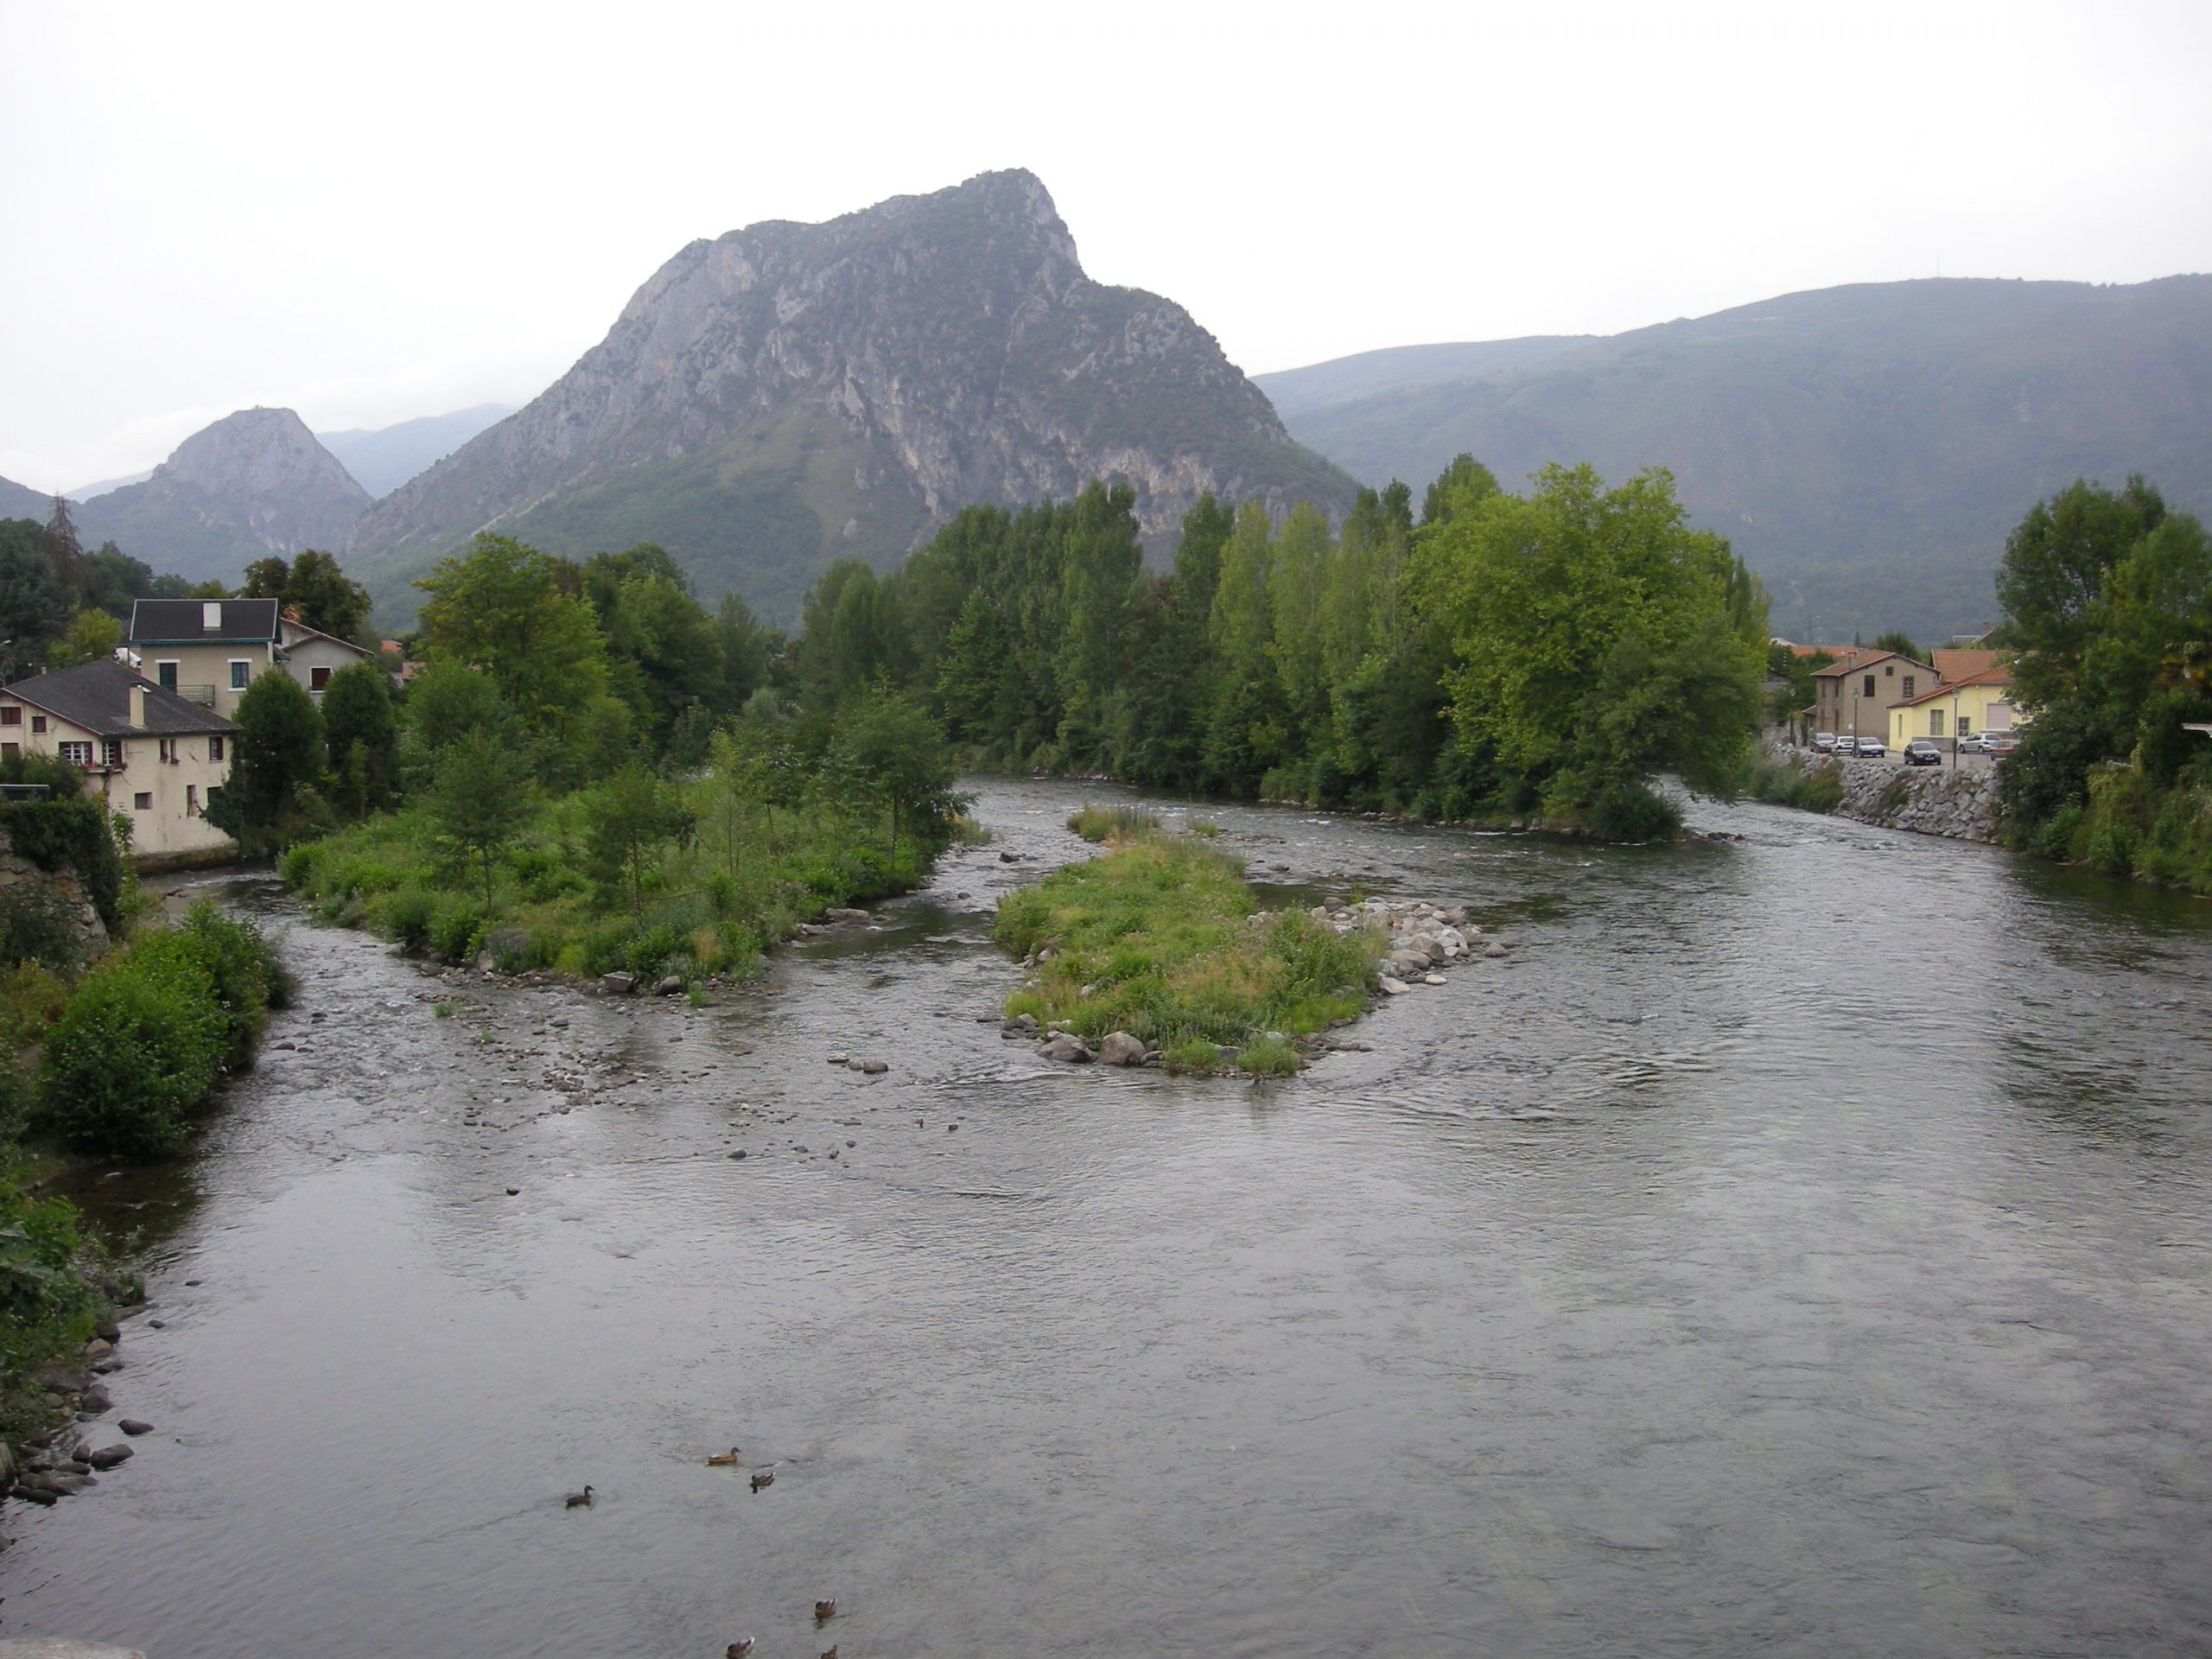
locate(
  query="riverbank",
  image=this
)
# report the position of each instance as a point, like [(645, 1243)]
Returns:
[(1957, 804)]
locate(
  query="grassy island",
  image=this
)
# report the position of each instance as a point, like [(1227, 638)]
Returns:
[(1159, 938)]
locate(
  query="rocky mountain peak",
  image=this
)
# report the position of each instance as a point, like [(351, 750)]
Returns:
[(265, 455), (787, 394)]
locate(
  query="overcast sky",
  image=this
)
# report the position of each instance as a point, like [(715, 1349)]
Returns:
[(372, 212)]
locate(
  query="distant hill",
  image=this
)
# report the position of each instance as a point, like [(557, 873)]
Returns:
[(102, 486), (21, 501), (1865, 448), (1399, 368), (254, 483), (789, 394), (383, 458)]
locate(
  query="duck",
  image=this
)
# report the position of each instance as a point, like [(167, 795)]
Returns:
[(723, 1460), (738, 1649), (767, 1478), (830, 1652), (580, 1500), (826, 1609)]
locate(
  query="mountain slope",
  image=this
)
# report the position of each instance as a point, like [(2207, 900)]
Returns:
[(254, 483), (1399, 368), (382, 458), (1865, 448), (789, 394), (21, 501)]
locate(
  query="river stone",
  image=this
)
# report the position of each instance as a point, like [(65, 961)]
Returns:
[(58, 1647), (668, 986), (1493, 950), (1409, 962), (98, 1348), (1067, 1048), (107, 1330), (1432, 979), (1393, 985), (62, 1377), (107, 1457), (1119, 1048), (134, 1426), (838, 1056), (617, 984), (875, 1068), (845, 915)]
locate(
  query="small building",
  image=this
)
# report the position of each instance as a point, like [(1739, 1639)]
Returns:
[(1852, 697), (1979, 702), (208, 650), (157, 758)]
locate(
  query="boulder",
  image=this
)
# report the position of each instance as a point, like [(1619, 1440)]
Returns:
[(1119, 1048), (617, 984), (875, 1068), (107, 1457), (668, 986), (1393, 985), (1067, 1048), (134, 1427), (1493, 950)]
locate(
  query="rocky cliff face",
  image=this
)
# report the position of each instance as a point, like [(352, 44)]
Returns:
[(788, 394), (254, 483)]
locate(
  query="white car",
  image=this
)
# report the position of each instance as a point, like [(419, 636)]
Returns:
[(1846, 746), (1975, 743), (1872, 748)]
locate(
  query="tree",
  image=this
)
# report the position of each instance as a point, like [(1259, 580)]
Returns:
[(92, 637), (320, 596), (1596, 638), (275, 763), (478, 802), (447, 702), (34, 607), (1899, 641), (501, 609), (1460, 487), (64, 554), (362, 734), (1244, 731), (628, 820), (889, 756), (2053, 569)]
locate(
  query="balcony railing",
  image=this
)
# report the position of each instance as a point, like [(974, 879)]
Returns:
[(202, 695)]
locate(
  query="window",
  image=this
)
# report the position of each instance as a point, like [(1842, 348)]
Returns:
[(9, 751), (1908, 685), (143, 801), (169, 748), (38, 724), (12, 715), (1889, 669), (77, 754), (211, 615), (241, 671), (1966, 727), (1934, 722), (215, 748), (111, 752), (318, 677), (1870, 686), (165, 675), (192, 800)]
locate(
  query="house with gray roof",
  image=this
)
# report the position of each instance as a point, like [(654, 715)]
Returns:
[(155, 757), (208, 650)]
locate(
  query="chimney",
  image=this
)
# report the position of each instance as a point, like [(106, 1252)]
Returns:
[(211, 615), (139, 704)]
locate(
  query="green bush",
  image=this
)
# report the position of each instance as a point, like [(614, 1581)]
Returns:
[(37, 924), (1633, 812), (50, 1297), (239, 967), (72, 834), (405, 916), (456, 927), (1103, 822), (136, 1050)]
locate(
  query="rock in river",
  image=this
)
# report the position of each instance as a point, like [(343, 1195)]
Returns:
[(1068, 1048), (1119, 1048)]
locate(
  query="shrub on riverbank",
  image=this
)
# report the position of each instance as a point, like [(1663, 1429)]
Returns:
[(1159, 938), (1105, 823), (142, 1040), (49, 1296), (1782, 781)]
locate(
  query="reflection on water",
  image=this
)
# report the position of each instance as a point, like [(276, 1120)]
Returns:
[(1795, 1245)]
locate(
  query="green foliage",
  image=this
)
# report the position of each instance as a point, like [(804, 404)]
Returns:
[(1634, 812), (478, 802), (1156, 937), (67, 831), (269, 799), (628, 822), (1113, 822), (1598, 637), (888, 757), (361, 731), (91, 637), (132, 1058), (49, 1296), (1784, 782), (313, 590)]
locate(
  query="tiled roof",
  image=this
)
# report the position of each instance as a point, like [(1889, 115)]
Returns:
[(184, 621), (97, 696), (1996, 674), (1962, 664)]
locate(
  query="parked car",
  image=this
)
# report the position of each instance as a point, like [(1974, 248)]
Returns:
[(1999, 742), (1975, 743), (1846, 746), (1921, 752), (1824, 742), (1872, 748)]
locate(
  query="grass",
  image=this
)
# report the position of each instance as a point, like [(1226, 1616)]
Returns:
[(1111, 823), (1783, 782), (1157, 937), (711, 905)]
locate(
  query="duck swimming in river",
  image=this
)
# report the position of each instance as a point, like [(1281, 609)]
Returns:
[(723, 1460), (580, 1500)]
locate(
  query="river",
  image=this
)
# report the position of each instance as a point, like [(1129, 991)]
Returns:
[(1797, 1245)]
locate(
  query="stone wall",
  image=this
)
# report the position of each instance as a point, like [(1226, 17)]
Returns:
[(18, 871), (1960, 802)]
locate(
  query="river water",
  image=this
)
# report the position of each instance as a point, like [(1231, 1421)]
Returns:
[(1797, 1245)]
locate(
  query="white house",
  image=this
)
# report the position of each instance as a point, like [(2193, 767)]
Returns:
[(208, 650), (155, 758)]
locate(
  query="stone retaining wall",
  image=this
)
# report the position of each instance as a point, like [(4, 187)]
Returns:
[(1960, 803)]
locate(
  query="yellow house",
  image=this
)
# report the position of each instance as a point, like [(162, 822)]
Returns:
[(1979, 702), (152, 756)]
